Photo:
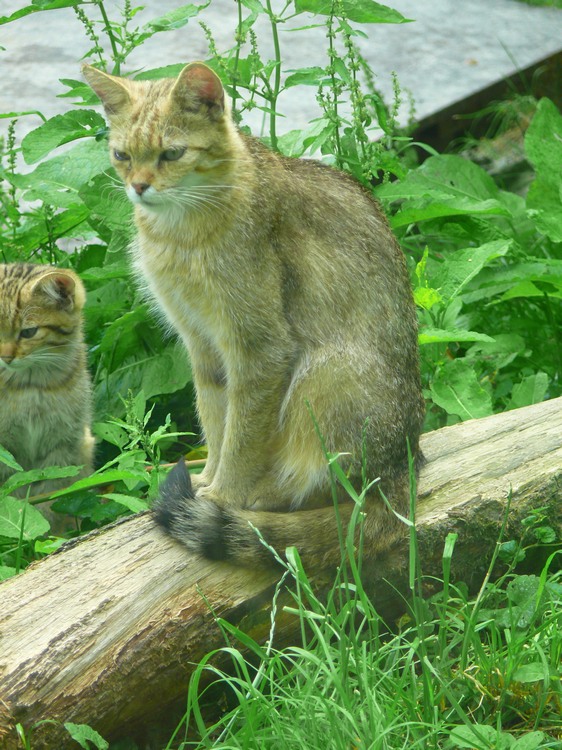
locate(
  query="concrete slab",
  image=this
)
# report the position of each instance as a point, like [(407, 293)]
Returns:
[(452, 49)]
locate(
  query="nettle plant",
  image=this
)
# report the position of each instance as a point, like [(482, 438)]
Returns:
[(486, 264)]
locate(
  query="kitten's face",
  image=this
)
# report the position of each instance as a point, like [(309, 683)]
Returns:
[(40, 323), (168, 138)]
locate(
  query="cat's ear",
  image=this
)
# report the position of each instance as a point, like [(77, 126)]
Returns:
[(60, 288), (112, 91), (198, 87)]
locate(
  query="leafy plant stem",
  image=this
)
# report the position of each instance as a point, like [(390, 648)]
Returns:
[(111, 37), (239, 40), (332, 54), (277, 76)]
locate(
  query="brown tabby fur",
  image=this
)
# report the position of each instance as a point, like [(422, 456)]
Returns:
[(45, 390), (292, 297)]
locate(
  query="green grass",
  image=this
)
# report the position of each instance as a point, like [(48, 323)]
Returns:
[(481, 671)]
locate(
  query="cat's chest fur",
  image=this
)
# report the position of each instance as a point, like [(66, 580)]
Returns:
[(32, 419), (199, 286), (184, 281)]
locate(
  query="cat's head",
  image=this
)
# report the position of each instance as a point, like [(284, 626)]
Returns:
[(171, 140), (40, 322)]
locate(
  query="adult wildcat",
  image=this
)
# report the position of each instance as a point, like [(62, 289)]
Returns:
[(291, 295), (45, 389)]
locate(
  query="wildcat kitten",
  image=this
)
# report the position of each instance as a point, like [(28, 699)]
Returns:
[(45, 389), (291, 295)]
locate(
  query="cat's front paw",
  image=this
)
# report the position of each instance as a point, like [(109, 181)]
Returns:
[(198, 482)]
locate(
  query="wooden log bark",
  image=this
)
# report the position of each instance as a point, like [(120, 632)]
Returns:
[(106, 632)]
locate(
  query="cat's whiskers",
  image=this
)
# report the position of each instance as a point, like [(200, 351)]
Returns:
[(199, 203), (202, 198), (115, 188)]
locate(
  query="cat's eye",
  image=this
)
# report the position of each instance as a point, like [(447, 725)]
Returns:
[(172, 154), (28, 333), (121, 155)]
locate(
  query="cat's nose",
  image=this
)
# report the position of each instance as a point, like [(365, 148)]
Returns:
[(7, 352), (140, 187)]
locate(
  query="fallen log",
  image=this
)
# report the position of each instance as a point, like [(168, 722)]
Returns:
[(107, 631)]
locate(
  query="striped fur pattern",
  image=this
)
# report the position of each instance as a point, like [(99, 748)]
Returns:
[(286, 285), (45, 389)]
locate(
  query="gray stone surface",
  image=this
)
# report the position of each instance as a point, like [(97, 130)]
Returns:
[(453, 48)]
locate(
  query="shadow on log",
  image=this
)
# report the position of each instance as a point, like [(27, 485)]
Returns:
[(106, 632)]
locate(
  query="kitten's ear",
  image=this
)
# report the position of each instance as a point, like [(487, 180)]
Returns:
[(197, 87), (113, 91), (60, 288)]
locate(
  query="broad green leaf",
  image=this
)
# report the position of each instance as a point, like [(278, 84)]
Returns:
[(83, 735), (68, 222), (176, 18), (438, 335), (112, 433), (23, 478), (543, 145), (443, 185), (500, 352), (534, 672), (7, 459), (522, 591), (528, 289), (38, 5), (531, 390), (7, 572), (134, 504), (530, 741), (457, 269), (545, 534), (58, 180), (426, 297), (108, 272), (360, 11), (543, 139), (455, 206), (11, 515), (167, 71), (456, 389), (165, 372), (78, 123), (15, 115), (475, 737), (296, 142), (106, 477), (78, 90), (130, 333), (48, 546), (306, 77), (503, 278)]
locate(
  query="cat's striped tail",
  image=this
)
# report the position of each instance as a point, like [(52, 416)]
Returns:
[(229, 534)]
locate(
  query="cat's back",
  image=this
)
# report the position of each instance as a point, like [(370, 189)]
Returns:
[(317, 193), (337, 258)]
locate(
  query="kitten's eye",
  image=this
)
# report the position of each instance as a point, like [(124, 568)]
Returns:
[(172, 154), (121, 155), (28, 333)]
